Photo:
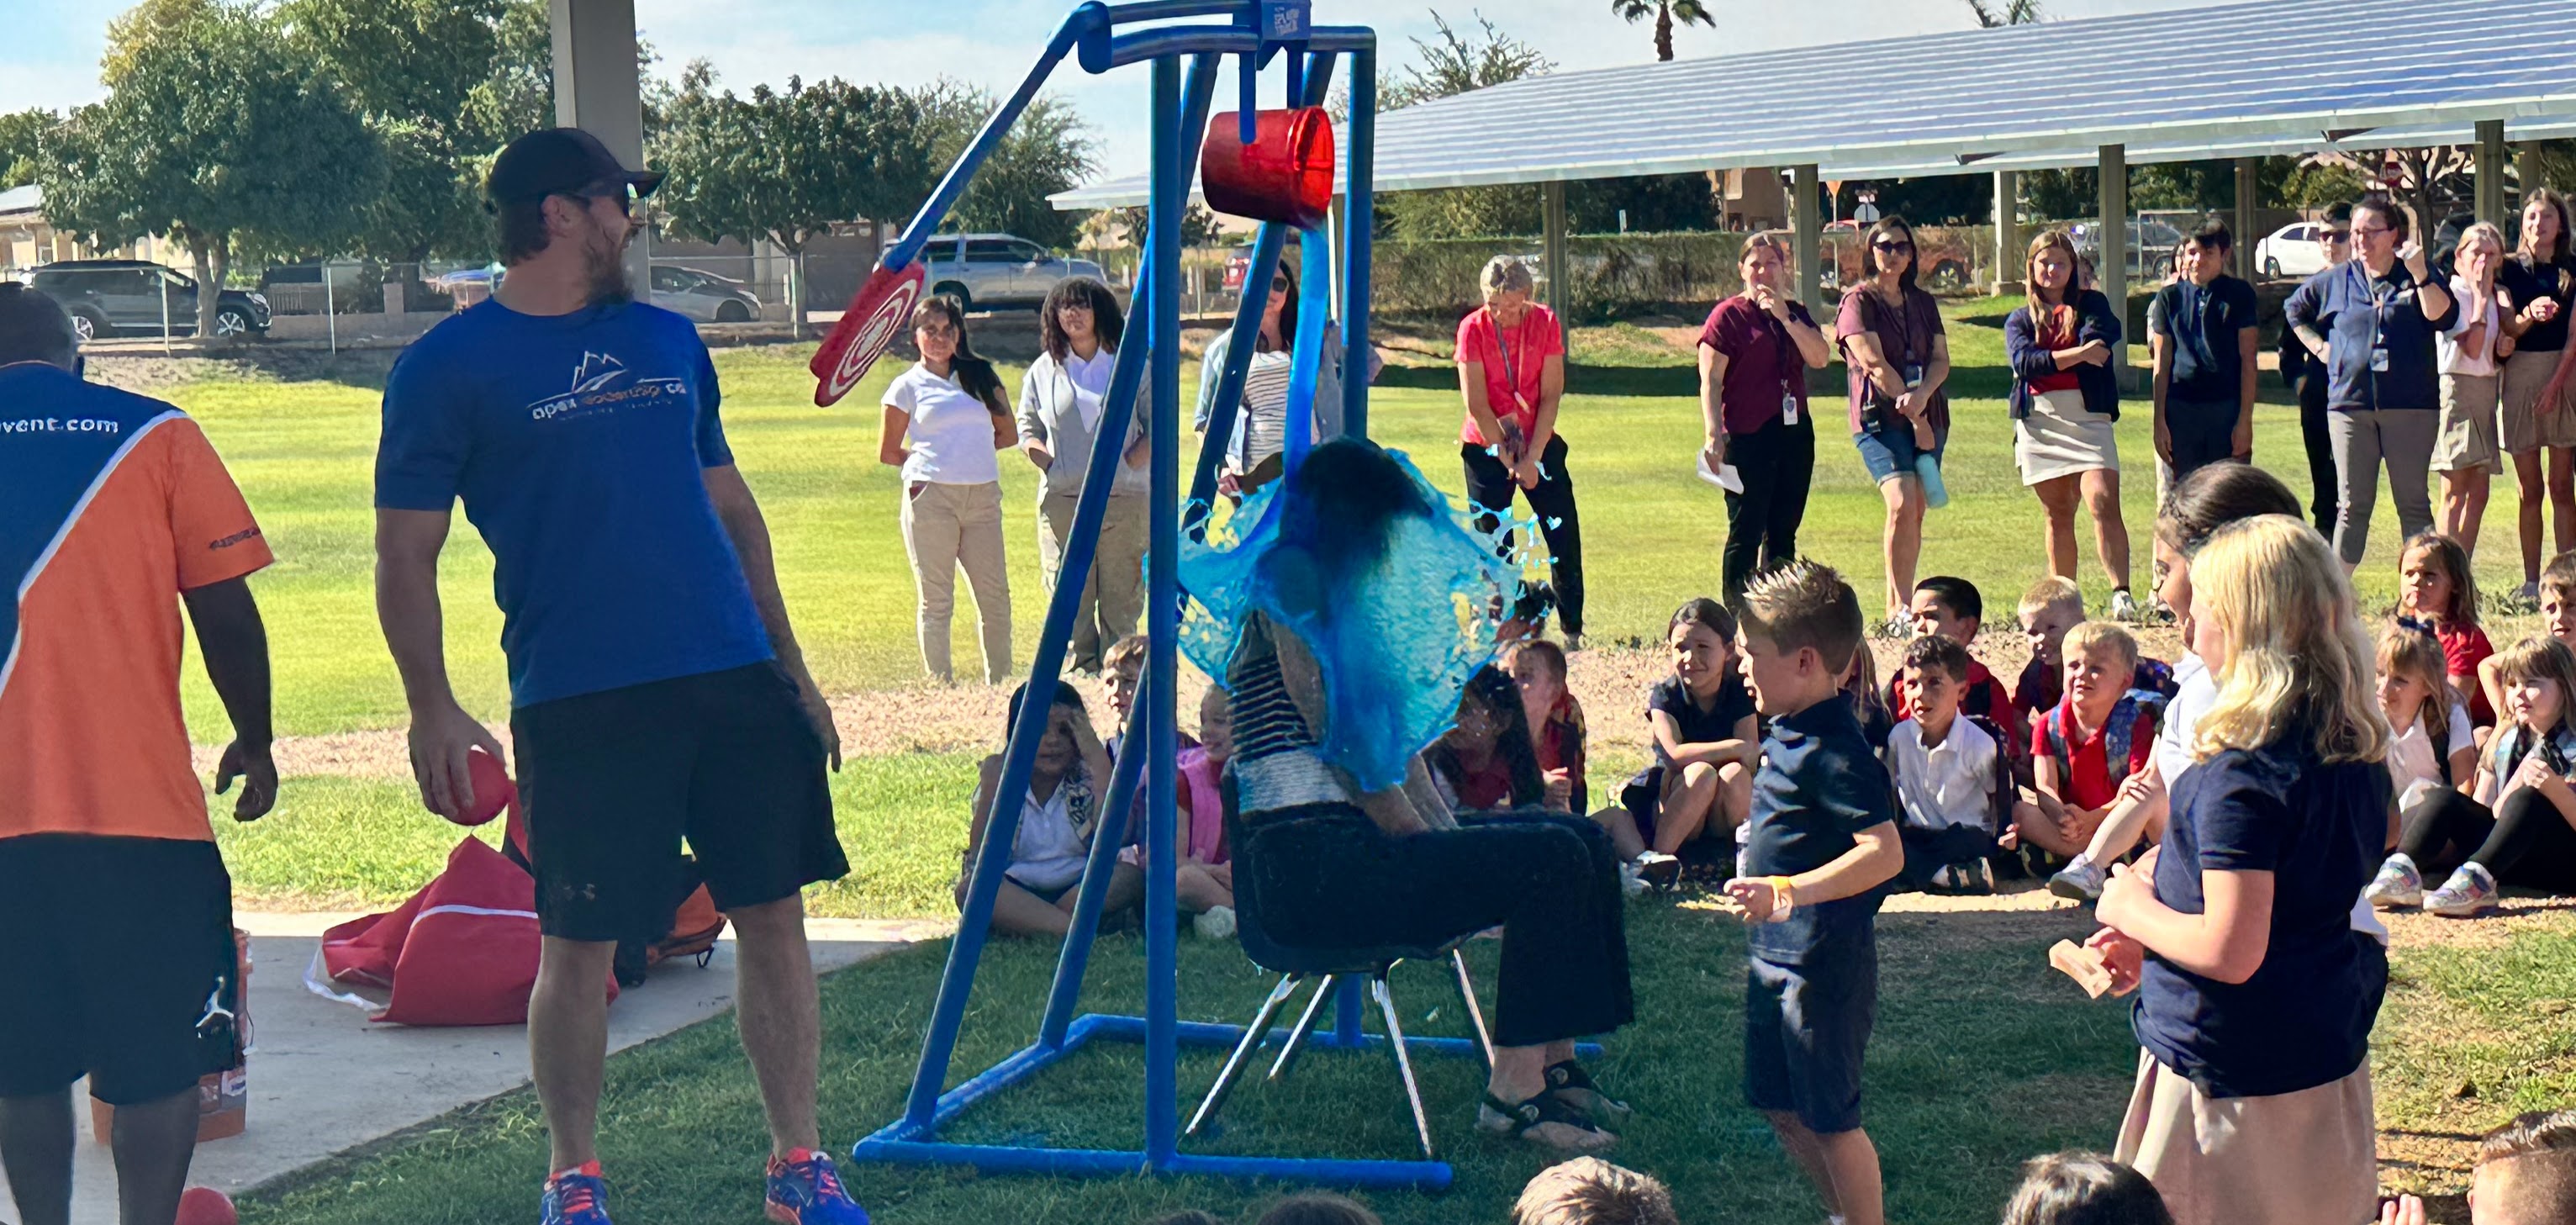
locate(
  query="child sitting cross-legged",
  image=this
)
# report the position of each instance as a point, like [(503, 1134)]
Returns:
[(1484, 762), (1206, 876), (2435, 748), (2520, 828), (2557, 619), (2103, 731), (1059, 816), (1951, 607), (1695, 790), (1953, 785)]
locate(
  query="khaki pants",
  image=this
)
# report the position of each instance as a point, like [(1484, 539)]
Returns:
[(947, 528), (1113, 593), (2304, 1158)]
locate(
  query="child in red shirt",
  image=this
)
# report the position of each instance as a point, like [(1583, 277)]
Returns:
[(1952, 608), (1555, 721), (2073, 749), (2434, 587)]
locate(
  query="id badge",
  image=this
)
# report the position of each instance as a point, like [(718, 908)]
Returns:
[(2379, 361), (1788, 409), (1913, 375)]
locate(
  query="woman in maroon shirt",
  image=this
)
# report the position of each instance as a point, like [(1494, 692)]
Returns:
[(1754, 354)]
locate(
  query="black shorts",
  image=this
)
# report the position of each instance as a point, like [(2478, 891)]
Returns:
[(612, 781), (1806, 1028), (114, 947)]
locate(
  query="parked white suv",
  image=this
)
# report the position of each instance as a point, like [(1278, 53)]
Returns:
[(983, 271)]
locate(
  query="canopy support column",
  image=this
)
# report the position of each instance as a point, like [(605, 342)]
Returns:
[(2111, 269), (1804, 205), (2008, 252), (2244, 224), (2490, 184), (596, 90), (2526, 168), (1552, 223)]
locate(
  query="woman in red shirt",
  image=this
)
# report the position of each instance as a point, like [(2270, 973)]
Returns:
[(1511, 372), (2065, 401)]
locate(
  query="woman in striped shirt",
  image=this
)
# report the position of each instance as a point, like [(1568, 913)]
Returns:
[(1252, 453)]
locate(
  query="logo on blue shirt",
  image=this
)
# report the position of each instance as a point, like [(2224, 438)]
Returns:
[(596, 389)]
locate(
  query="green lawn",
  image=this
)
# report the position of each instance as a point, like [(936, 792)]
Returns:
[(303, 453)]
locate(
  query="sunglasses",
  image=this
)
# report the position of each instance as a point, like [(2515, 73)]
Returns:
[(1892, 247), (623, 195), (1279, 284), (2338, 236)]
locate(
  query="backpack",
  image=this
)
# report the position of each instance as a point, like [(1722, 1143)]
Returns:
[(2118, 736)]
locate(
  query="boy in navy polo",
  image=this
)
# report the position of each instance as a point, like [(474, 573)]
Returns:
[(1823, 840)]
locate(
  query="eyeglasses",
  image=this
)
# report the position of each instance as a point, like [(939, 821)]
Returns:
[(1893, 248), (2372, 232)]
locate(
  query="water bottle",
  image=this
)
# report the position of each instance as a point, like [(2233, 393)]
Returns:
[(1935, 494)]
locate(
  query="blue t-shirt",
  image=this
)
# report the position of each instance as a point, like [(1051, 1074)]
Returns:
[(1819, 784), (578, 444), (2304, 1018)]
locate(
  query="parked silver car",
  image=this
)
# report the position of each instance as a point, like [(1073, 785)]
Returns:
[(703, 296), (983, 271)]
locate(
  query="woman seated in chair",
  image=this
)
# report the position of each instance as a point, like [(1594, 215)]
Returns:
[(1345, 841)]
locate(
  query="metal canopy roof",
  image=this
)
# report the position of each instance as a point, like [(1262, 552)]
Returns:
[(2271, 77)]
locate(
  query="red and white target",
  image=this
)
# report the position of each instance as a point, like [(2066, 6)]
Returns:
[(878, 314)]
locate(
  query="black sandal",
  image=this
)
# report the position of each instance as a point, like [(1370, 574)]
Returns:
[(1575, 1087), (1520, 1122)]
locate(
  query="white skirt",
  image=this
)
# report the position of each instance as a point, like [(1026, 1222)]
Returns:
[(2059, 438)]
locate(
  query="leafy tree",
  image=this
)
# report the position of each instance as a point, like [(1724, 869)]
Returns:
[(1049, 150), (1198, 225), (2011, 13), (216, 133), (1666, 13), (19, 132), (411, 67), (1449, 65), (786, 165)]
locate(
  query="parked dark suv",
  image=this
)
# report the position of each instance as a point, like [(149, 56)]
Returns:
[(112, 297)]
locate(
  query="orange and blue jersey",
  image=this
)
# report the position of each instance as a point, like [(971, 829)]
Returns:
[(111, 505)]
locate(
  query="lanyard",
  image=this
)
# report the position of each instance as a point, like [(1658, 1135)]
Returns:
[(1511, 371)]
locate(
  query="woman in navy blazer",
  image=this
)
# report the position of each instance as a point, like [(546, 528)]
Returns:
[(2064, 401)]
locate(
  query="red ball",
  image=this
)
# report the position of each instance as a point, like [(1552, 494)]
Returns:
[(206, 1206), (493, 790)]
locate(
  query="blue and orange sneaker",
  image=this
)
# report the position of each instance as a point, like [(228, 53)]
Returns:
[(804, 1189), (577, 1197)]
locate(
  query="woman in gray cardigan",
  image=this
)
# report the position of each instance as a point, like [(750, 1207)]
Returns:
[(1060, 418), (1252, 452)]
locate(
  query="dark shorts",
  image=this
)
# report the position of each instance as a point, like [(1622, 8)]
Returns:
[(612, 782), (1806, 1028), (2203, 433), (114, 946)]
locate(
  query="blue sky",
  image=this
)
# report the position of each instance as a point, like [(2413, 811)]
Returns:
[(51, 55)]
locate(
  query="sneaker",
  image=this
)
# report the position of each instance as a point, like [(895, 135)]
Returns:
[(577, 1196), (1945, 880), (1658, 869), (2528, 596), (1573, 643), (2469, 893), (1975, 878), (2124, 607), (2080, 881), (2399, 884), (1215, 923), (1897, 628), (804, 1189), (1630, 883)]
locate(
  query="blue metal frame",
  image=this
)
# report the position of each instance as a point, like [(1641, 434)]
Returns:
[(1256, 31)]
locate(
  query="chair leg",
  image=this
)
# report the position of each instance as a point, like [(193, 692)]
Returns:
[(1403, 1060), (1475, 1011), (1252, 1040), (1305, 1026)]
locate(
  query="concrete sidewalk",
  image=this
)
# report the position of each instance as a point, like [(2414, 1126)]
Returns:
[(325, 1079)]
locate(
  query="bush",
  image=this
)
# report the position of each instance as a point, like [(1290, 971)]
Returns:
[(1611, 274)]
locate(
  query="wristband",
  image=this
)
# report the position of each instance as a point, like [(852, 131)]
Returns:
[(1783, 898)]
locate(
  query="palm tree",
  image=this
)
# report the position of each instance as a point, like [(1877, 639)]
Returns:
[(2012, 13), (1665, 11)]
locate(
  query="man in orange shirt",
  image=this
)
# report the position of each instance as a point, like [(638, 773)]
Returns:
[(119, 964)]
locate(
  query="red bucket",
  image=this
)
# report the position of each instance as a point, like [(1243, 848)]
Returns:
[(1285, 174)]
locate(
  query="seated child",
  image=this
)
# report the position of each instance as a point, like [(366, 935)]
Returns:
[(1485, 761), (1868, 705), (1206, 877), (2097, 736), (2557, 619), (1696, 718), (1953, 787), (1590, 1191), (1059, 815), (1952, 608), (2084, 1189), (2520, 828), (2434, 587), (2526, 1175), (1555, 721), (2051, 607), (2435, 747), (1123, 668)]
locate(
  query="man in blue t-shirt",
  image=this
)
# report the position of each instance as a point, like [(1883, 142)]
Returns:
[(1821, 843), (2205, 334), (656, 689)]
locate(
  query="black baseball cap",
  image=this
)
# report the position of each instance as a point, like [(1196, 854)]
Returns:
[(560, 162)]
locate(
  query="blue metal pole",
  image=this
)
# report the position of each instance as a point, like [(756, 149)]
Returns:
[(1314, 310), (935, 209), (1162, 971), (1359, 220)]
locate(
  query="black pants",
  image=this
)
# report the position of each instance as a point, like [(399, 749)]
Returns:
[(2530, 845), (1929, 850), (1776, 463), (1328, 878), (2325, 493), (1490, 487)]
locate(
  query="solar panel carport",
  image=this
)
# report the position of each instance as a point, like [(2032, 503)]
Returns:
[(2233, 80)]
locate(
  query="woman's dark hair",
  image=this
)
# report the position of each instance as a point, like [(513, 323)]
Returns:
[(1891, 226), (1318, 1208), (2557, 250), (2084, 1189), (1108, 323), (2386, 206), (1708, 614), (1496, 691), (974, 375), (1289, 259), (2217, 495), (1065, 695), (1342, 501)]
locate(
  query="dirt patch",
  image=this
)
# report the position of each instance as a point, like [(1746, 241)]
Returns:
[(149, 372)]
